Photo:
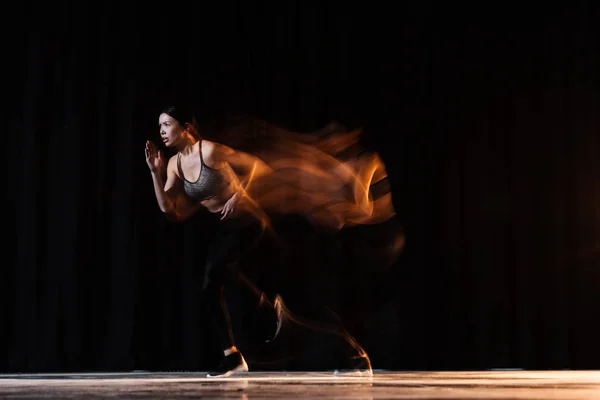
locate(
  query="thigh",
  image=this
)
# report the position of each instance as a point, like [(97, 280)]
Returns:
[(232, 242)]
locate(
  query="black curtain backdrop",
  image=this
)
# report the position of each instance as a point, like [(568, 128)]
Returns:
[(487, 120)]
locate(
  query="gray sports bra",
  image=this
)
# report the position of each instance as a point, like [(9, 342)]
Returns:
[(210, 183)]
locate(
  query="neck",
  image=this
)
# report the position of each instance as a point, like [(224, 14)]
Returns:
[(186, 145)]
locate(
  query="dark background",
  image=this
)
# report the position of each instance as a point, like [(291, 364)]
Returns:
[(485, 117)]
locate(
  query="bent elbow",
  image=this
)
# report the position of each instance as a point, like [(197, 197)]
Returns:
[(176, 217), (170, 214), (171, 217)]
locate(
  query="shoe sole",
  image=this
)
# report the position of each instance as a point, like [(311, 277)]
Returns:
[(239, 369)]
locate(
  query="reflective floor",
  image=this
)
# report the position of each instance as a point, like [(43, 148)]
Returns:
[(277, 385)]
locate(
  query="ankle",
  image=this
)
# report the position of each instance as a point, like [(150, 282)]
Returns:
[(230, 350), (264, 300)]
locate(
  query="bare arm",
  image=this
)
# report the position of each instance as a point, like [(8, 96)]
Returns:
[(169, 195)]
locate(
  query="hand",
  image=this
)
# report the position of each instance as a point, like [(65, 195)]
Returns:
[(154, 157), (229, 206)]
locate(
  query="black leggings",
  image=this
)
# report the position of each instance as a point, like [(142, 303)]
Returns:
[(234, 240)]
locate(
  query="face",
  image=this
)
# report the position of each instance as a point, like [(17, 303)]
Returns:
[(170, 130)]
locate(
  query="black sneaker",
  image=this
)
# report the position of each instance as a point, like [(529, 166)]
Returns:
[(231, 364)]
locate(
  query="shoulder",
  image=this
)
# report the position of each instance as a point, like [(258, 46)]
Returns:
[(172, 164), (211, 148), (173, 158)]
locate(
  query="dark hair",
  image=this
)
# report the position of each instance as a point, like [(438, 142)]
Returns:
[(183, 114)]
